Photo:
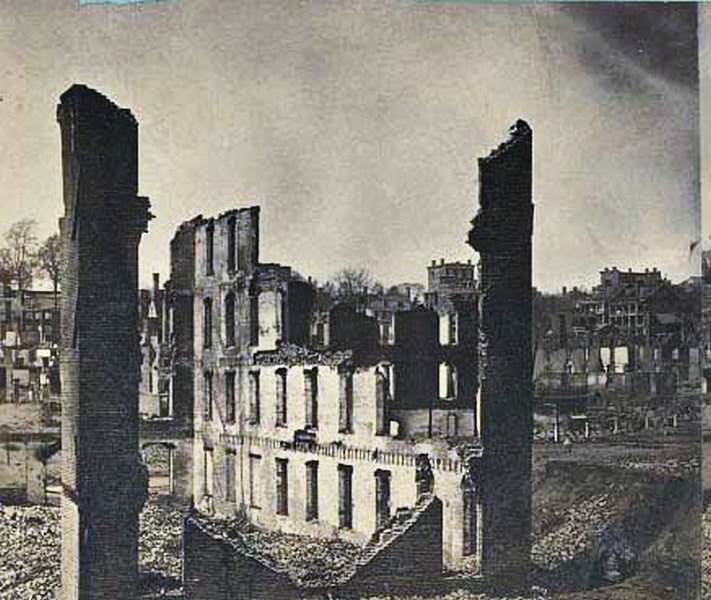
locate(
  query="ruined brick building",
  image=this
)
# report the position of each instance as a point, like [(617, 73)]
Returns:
[(413, 441), (621, 353), (309, 420), (103, 483)]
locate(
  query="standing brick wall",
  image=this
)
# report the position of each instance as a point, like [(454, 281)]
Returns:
[(101, 228), (417, 553), (501, 233)]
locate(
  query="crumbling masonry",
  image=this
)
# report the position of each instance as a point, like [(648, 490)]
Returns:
[(501, 233), (102, 478)]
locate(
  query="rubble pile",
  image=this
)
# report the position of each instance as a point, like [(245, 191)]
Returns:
[(30, 552), (672, 467), (706, 557), (30, 549), (307, 560), (463, 594), (160, 539), (581, 526), (156, 457)]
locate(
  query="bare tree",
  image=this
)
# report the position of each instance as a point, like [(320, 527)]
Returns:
[(351, 281), (49, 259), (18, 259)]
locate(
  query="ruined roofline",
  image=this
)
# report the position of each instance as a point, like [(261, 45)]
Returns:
[(293, 355), (236, 211), (200, 220), (454, 263), (275, 268), (189, 225), (518, 132), (79, 94)]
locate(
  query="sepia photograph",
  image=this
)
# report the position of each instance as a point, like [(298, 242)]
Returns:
[(381, 300)]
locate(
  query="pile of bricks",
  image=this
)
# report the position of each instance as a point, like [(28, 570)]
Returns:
[(160, 545), (706, 557), (580, 528), (308, 561), (29, 552)]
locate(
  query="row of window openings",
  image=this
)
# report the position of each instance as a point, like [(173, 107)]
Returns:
[(345, 493), (232, 256), (447, 381), (345, 488), (310, 395), (448, 330), (230, 328), (448, 333)]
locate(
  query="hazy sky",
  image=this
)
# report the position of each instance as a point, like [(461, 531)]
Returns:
[(356, 126)]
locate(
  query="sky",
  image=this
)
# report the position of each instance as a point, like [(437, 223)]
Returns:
[(356, 126)]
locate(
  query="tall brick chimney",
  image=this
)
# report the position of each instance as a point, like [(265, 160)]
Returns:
[(103, 481), (501, 233)]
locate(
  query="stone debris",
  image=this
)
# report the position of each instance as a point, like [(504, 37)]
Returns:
[(672, 467), (305, 560), (581, 527), (160, 542), (156, 457), (30, 552), (536, 594), (706, 557)]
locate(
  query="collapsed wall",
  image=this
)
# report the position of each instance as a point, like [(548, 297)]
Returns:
[(220, 563)]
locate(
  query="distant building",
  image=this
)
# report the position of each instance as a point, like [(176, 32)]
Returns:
[(448, 279), (154, 397), (620, 300), (29, 328)]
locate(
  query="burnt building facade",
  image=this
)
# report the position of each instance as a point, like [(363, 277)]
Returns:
[(285, 415), (103, 482), (309, 419)]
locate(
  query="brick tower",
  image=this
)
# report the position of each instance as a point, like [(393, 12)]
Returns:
[(501, 233), (103, 481)]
